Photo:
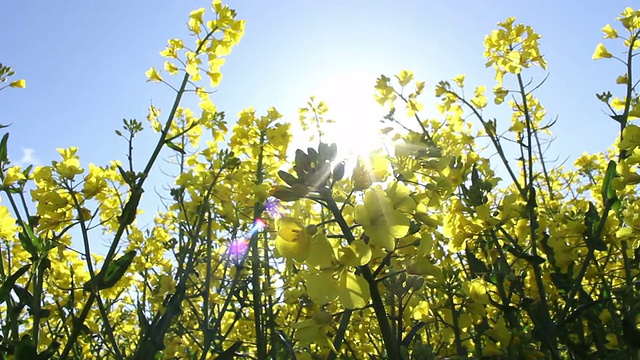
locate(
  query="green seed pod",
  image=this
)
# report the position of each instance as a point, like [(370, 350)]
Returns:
[(288, 178), (419, 282), (311, 229), (338, 172)]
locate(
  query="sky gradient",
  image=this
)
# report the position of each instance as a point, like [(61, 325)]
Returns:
[(84, 62)]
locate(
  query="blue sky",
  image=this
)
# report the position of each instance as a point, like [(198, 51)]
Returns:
[(84, 62)]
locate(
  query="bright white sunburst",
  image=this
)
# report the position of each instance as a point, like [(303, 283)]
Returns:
[(357, 115)]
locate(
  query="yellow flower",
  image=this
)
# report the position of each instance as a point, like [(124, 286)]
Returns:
[(195, 20), (170, 68), (476, 290), (153, 75), (321, 254), (500, 93), (601, 52), (328, 278), (405, 77), (314, 330), (94, 182), (13, 174), (609, 32), (421, 312), (292, 241), (369, 170), (612, 342), (500, 332), (630, 137), (70, 165), (8, 226), (491, 349), (18, 84), (459, 80), (479, 100), (381, 222), (605, 316), (356, 254), (385, 94)]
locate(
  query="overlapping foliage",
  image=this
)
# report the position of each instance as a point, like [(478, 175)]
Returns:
[(420, 253)]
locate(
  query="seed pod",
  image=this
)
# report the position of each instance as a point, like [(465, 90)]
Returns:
[(288, 178), (114, 272), (338, 172), (417, 285), (313, 155), (311, 229), (302, 163)]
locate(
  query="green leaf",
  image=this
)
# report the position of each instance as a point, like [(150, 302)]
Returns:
[(531, 258), (608, 192), (130, 209), (117, 269), (23, 294), (3, 148), (591, 220), (30, 242), (114, 272), (11, 280), (230, 353), (476, 266), (619, 118), (50, 352), (563, 282), (27, 244), (578, 311), (26, 349), (630, 333), (175, 147)]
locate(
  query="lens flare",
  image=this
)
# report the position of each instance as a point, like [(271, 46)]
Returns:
[(273, 208), (238, 247)]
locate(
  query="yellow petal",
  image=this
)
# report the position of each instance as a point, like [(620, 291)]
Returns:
[(321, 254), (321, 286), (353, 291), (153, 75), (421, 312), (292, 240), (356, 254), (18, 84), (609, 32), (459, 80), (601, 52), (405, 77)]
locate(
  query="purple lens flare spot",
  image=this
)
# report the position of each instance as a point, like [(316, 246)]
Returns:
[(273, 208)]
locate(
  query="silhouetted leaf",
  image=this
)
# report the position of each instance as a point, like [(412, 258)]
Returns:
[(11, 280)]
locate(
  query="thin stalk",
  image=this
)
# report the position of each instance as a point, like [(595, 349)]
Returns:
[(261, 340), (208, 335), (551, 339), (131, 207), (389, 340), (621, 156), (342, 329), (496, 144)]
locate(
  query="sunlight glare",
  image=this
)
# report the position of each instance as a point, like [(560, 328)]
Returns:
[(357, 115)]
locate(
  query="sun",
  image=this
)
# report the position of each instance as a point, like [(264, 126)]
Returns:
[(356, 131)]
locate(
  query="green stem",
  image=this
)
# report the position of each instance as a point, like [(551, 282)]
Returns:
[(551, 338), (339, 337), (261, 340), (393, 351), (208, 335), (136, 193)]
